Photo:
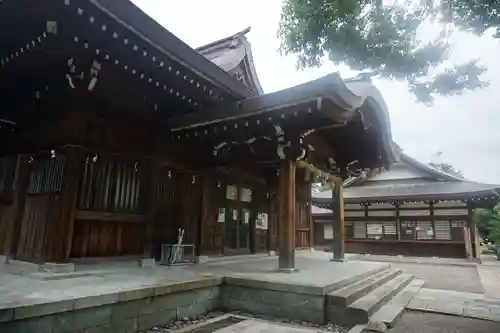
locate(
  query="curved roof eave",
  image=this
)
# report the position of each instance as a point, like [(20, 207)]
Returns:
[(427, 168), (250, 66), (131, 17), (356, 93)]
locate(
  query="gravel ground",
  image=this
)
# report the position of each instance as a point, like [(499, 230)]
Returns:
[(186, 322), (422, 322), (447, 277)]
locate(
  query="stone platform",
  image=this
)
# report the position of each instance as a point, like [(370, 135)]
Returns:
[(126, 298)]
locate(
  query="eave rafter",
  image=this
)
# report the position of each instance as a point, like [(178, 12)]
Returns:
[(88, 31), (120, 46)]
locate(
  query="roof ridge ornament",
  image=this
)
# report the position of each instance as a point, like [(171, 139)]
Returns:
[(51, 27)]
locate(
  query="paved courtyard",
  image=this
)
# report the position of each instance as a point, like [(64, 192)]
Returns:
[(463, 289), (447, 277), (420, 322)]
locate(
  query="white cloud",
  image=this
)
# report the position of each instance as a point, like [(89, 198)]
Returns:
[(465, 128)]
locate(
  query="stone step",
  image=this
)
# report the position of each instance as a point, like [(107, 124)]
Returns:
[(392, 311), (356, 278), (365, 306), (354, 291)]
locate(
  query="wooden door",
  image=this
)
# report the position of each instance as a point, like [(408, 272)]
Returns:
[(166, 216), (212, 240)]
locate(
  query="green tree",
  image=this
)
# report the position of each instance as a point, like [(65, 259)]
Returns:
[(488, 224), (448, 168), (383, 40)]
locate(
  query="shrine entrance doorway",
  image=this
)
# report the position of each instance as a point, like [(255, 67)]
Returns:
[(238, 220)]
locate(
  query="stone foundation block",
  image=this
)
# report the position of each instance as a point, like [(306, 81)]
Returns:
[(201, 259), (50, 267), (23, 267), (3, 260), (296, 306), (147, 262), (36, 324)]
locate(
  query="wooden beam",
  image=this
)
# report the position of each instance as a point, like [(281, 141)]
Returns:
[(320, 144), (287, 216), (313, 169), (338, 221)]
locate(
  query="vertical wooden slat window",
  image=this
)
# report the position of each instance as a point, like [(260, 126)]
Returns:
[(442, 230), (390, 230), (112, 185), (46, 175), (360, 230)]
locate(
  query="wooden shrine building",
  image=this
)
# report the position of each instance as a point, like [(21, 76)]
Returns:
[(411, 209), (114, 134)]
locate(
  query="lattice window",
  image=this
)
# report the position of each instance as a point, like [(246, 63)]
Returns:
[(390, 230), (46, 175), (360, 230), (111, 185), (443, 230)]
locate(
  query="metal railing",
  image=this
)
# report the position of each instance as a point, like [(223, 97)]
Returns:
[(174, 254)]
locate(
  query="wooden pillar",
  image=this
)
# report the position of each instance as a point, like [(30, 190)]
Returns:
[(476, 247), (59, 230), (309, 216), (152, 175), (433, 218), (338, 221), (20, 186), (204, 213), (287, 216), (398, 221)]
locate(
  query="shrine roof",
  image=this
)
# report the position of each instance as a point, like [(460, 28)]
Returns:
[(409, 179), (138, 22), (413, 191), (343, 110), (129, 55), (234, 55)]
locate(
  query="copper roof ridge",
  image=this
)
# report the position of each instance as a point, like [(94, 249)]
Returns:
[(239, 34)]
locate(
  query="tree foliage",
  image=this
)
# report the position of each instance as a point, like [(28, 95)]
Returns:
[(448, 168), (369, 35), (488, 224)]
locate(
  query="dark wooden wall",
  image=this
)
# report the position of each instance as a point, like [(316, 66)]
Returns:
[(119, 192)]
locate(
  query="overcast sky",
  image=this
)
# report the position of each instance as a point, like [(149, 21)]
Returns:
[(466, 129)]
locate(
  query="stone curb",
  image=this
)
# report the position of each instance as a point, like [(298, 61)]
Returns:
[(47, 308)]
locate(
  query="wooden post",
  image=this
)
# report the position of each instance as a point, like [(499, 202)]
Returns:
[(152, 174), (338, 221), (204, 213), (309, 216), (433, 218), (74, 169), (398, 221), (287, 216), (20, 186), (476, 247)]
